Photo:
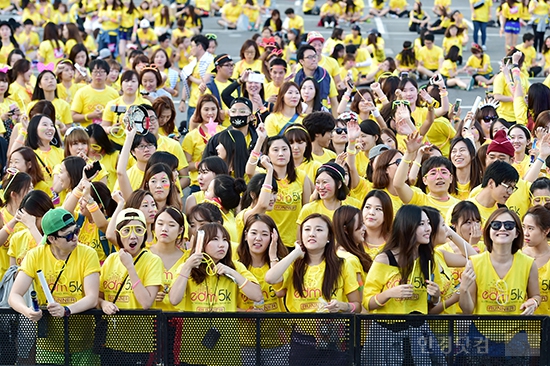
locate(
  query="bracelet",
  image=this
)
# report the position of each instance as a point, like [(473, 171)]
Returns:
[(135, 284), (265, 185), (86, 118), (417, 163), (443, 94), (184, 276), (376, 113), (536, 302), (378, 302), (352, 307), (243, 284), (255, 154), (351, 151), (77, 192), (346, 97), (267, 190), (540, 159), (8, 229), (383, 98), (274, 260), (406, 161)]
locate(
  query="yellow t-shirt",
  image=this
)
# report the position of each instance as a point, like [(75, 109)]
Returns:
[(173, 147), (82, 263), (231, 12), (68, 94), (506, 109), (62, 110), (318, 206), (440, 134), (275, 122), (149, 269), (50, 159), (496, 296), (32, 38), (350, 39), (398, 4), (109, 161), (193, 144), (287, 207), (20, 243), (21, 94), (312, 287), (477, 63), (430, 58), (113, 118), (50, 52), (530, 54), (89, 235), (135, 175), (422, 199), (382, 277), (169, 275), (513, 13), (114, 18), (241, 66), (327, 156), (481, 14), (544, 282), (310, 168), (333, 9), (296, 23), (4, 53), (148, 38), (88, 100)]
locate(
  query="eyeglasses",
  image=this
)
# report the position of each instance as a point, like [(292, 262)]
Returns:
[(13, 172), (398, 102), (70, 236), (433, 173), (211, 36), (99, 72), (508, 225), (539, 200), (509, 189), (126, 231), (490, 118), (227, 64), (340, 130), (96, 147), (396, 162), (311, 57), (145, 147)]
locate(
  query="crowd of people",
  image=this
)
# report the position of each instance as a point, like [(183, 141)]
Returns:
[(311, 175)]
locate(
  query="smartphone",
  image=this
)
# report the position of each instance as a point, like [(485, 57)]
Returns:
[(457, 105), (350, 81), (256, 78), (507, 60), (13, 107), (81, 70), (118, 109), (96, 167)]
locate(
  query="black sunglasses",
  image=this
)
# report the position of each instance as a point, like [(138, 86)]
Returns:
[(396, 162), (340, 130), (70, 236), (490, 118), (508, 225)]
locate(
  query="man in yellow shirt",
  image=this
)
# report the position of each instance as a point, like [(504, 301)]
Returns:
[(194, 73), (223, 69), (530, 65), (277, 71), (294, 21), (28, 39), (145, 34), (90, 101), (430, 57)]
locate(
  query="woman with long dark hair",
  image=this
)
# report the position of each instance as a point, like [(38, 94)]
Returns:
[(52, 49), (466, 168)]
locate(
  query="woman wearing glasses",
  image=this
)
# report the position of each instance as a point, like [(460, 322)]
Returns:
[(485, 116), (501, 281), (76, 268), (114, 109), (130, 279)]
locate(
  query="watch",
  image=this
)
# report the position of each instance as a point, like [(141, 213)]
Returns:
[(67, 311)]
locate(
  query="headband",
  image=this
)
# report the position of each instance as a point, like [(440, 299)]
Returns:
[(296, 128), (230, 135), (326, 166)]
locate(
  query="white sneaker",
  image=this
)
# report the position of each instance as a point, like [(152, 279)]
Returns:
[(484, 48), (327, 25), (331, 25), (297, 3)]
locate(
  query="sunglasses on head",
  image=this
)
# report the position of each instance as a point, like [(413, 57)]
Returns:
[(211, 36), (340, 130), (508, 225)]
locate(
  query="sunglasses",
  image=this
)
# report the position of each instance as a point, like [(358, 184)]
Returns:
[(490, 118), (396, 162), (13, 172), (508, 225), (396, 103), (340, 130), (126, 231), (70, 236)]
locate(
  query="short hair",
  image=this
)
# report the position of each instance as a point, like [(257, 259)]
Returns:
[(201, 40), (517, 244), (277, 61), (100, 64), (302, 50), (429, 37), (289, 11), (540, 183), (500, 172), (318, 123), (435, 162), (528, 37)]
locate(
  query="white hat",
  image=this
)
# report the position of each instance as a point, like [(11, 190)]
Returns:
[(104, 53), (144, 23)]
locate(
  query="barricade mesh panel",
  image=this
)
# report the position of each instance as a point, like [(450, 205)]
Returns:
[(448, 340)]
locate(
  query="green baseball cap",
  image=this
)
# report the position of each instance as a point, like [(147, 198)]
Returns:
[(55, 220)]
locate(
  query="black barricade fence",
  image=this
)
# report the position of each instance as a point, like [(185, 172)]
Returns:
[(265, 339)]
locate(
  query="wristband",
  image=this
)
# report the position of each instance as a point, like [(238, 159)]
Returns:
[(8, 229), (351, 307), (274, 260), (417, 163), (351, 151), (23, 132), (540, 159), (383, 98), (267, 190), (268, 186), (376, 113), (94, 207), (67, 311), (243, 284), (86, 118), (377, 302), (346, 97), (443, 94), (406, 161), (77, 192), (256, 154), (135, 284)]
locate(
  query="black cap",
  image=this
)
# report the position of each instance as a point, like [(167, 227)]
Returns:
[(243, 100), (220, 60)]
